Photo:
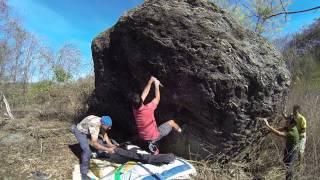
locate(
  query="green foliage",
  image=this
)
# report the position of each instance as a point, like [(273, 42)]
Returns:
[(262, 9), (260, 28), (252, 14), (61, 75), (235, 10)]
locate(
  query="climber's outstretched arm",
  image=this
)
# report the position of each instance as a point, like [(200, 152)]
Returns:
[(146, 89), (275, 131), (157, 91)]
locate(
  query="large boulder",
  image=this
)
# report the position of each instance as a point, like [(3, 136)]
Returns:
[(217, 76)]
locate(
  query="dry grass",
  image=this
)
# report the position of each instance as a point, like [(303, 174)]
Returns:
[(50, 101), (67, 101), (29, 146), (215, 171), (37, 142), (269, 162)]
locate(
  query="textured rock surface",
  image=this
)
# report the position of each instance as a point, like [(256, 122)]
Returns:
[(217, 76)]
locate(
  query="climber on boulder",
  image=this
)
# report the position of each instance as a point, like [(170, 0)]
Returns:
[(148, 130)]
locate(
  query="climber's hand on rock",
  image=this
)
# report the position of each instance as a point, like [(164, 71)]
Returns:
[(153, 79), (157, 82), (266, 121), (284, 115)]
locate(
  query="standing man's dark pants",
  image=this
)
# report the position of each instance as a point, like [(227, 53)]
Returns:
[(289, 159), (86, 152)]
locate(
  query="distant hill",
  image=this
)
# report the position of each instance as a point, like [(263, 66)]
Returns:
[(309, 39), (302, 53)]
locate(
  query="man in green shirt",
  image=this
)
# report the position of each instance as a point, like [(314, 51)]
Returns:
[(291, 134), (301, 126)]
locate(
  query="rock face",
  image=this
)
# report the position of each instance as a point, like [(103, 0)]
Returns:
[(217, 76)]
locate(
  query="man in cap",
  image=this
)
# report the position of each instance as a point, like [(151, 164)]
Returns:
[(89, 128)]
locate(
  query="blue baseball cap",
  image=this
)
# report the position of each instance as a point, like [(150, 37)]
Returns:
[(106, 120)]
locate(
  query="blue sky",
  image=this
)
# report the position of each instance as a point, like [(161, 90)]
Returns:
[(299, 21), (57, 22)]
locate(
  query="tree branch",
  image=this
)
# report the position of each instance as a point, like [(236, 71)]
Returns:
[(284, 10), (291, 12)]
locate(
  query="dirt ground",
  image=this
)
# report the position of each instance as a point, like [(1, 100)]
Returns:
[(35, 149)]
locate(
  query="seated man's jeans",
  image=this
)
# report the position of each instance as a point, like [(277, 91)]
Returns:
[(86, 151)]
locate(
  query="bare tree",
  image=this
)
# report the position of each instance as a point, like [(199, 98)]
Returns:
[(19, 37), (64, 63), (31, 52), (251, 13), (3, 58), (3, 10), (261, 16), (3, 43), (69, 57)]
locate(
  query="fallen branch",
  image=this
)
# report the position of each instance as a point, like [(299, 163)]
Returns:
[(41, 149), (7, 106), (291, 12)]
